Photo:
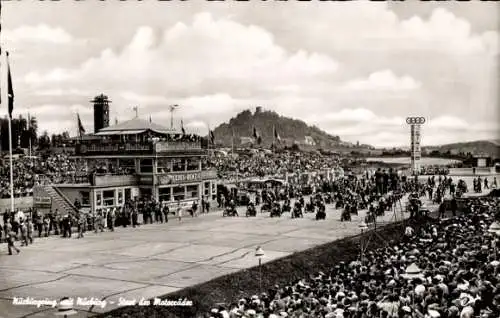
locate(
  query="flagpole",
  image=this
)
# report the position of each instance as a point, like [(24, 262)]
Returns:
[(209, 138), (274, 138), (232, 143), (8, 99), (29, 131), (11, 169)]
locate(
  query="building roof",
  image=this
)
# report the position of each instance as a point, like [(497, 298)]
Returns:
[(135, 126)]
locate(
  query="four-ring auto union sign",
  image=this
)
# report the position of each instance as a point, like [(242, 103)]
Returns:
[(415, 124), (415, 120)]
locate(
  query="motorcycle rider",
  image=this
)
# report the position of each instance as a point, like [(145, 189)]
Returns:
[(251, 211)]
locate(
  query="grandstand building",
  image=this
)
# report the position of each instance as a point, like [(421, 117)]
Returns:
[(135, 159)]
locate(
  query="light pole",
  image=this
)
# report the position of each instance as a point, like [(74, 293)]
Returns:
[(363, 227), (259, 252), (495, 230)]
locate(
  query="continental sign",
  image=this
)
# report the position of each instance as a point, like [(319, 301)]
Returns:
[(179, 178)]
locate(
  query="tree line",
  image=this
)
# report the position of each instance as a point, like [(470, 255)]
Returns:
[(25, 130)]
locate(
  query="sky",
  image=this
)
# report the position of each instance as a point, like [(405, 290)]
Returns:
[(354, 69)]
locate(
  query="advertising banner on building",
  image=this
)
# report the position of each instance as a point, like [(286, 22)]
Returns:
[(179, 178)]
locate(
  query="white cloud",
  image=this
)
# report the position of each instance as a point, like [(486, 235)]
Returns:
[(448, 122), (38, 33), (382, 131), (188, 55), (61, 92), (445, 31), (144, 99), (383, 80), (374, 27), (358, 67)]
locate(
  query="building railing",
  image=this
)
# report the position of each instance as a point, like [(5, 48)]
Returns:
[(91, 148), (115, 179), (167, 146), (159, 147)]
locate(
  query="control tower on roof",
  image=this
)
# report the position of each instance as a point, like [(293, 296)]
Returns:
[(101, 112)]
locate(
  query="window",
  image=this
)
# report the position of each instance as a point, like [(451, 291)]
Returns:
[(164, 165), (192, 191), (98, 199), (146, 165), (179, 165), (120, 197), (127, 166), (192, 164), (164, 194), (85, 195), (179, 193), (207, 188), (108, 197)]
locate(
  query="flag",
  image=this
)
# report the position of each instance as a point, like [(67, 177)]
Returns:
[(81, 130), (276, 135), (182, 128), (212, 137), (10, 91), (255, 134)]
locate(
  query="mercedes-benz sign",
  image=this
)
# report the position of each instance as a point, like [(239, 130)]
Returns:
[(415, 120)]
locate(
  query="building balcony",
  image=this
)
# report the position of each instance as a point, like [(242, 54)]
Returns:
[(176, 146), (93, 148), (89, 149), (115, 180)]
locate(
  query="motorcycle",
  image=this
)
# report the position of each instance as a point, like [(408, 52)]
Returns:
[(354, 209), (286, 206), (230, 211), (370, 218), (276, 211), (251, 211), (345, 216), (320, 215), (297, 212), (309, 207), (328, 199), (265, 207)]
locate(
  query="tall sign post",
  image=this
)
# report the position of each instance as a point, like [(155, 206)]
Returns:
[(415, 137)]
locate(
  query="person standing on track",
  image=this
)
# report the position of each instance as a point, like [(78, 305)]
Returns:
[(24, 233), (179, 210), (81, 220), (11, 237), (31, 229)]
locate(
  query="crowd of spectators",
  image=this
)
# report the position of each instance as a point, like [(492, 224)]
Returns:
[(268, 163), (31, 171), (443, 268)]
